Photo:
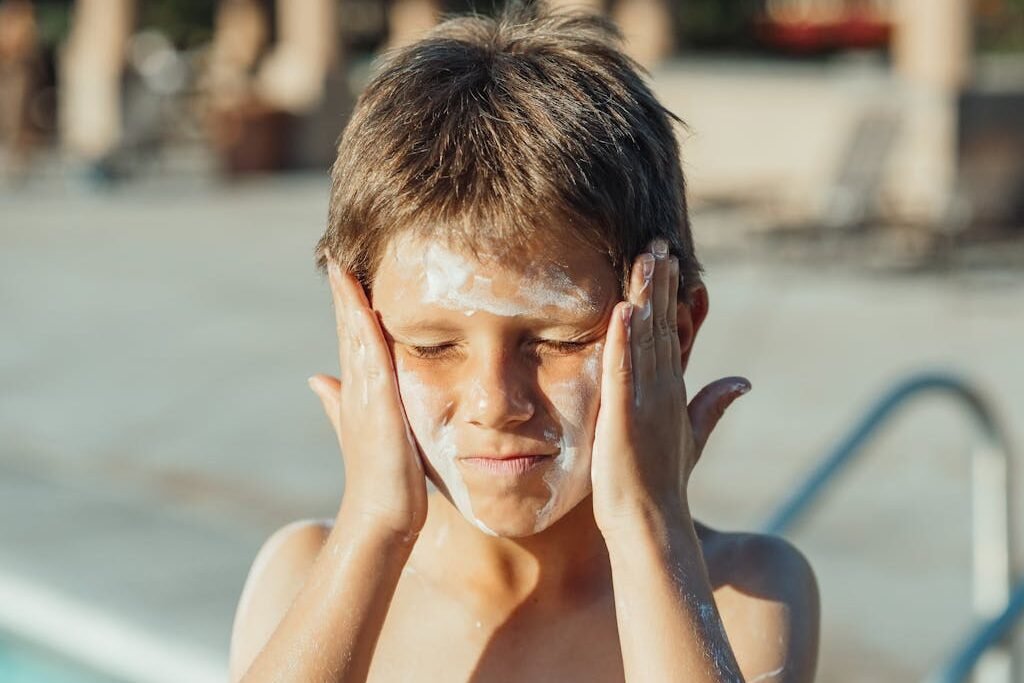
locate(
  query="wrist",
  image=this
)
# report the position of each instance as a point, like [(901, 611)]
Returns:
[(646, 513), (660, 524), (364, 527)]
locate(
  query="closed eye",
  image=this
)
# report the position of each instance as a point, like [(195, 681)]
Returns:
[(555, 346), (438, 351), (562, 347)]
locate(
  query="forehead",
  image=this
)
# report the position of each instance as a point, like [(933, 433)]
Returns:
[(551, 280)]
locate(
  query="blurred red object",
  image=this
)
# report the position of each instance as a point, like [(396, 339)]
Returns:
[(808, 36)]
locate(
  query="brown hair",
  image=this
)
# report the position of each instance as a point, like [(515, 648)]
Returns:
[(496, 132)]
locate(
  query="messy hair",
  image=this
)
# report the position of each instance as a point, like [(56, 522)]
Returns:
[(492, 133)]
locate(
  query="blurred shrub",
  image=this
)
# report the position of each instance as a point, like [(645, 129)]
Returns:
[(999, 25), (186, 23), (717, 24)]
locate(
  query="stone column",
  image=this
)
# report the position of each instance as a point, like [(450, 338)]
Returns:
[(90, 83), (409, 20), (648, 27), (292, 76), (932, 57)]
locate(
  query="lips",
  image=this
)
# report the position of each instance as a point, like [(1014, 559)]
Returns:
[(513, 464)]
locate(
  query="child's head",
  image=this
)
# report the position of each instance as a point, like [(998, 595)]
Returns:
[(495, 133), (492, 189)]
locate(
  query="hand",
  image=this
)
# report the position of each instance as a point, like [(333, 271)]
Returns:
[(647, 441), (384, 477)]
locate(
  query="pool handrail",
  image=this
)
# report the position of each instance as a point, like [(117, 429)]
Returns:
[(978, 642), (991, 497)]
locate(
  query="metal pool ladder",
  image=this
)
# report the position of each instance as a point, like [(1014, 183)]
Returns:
[(998, 605)]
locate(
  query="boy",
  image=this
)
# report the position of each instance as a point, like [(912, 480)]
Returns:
[(517, 296)]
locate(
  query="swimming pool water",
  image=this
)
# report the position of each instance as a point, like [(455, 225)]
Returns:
[(22, 663)]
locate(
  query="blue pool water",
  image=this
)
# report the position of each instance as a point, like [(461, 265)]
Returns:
[(21, 663)]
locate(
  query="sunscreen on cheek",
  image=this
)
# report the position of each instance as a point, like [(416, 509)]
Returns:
[(430, 420), (575, 406)]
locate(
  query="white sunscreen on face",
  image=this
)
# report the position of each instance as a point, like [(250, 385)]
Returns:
[(449, 280), (430, 419), (570, 482)]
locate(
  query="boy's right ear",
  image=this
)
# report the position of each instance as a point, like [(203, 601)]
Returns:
[(689, 318)]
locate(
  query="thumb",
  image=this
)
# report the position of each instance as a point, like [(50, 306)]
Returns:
[(328, 390), (708, 406)]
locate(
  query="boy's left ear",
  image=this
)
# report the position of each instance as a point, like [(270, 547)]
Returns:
[(689, 317)]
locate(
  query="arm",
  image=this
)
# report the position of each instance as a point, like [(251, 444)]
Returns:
[(645, 446), (669, 626), (771, 609), (330, 630), (773, 617)]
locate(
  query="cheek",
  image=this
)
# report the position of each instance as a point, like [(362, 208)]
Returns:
[(426, 407), (576, 403)]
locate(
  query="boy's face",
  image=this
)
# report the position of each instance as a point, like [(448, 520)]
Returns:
[(494, 362)]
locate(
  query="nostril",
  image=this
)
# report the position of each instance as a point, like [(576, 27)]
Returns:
[(495, 406)]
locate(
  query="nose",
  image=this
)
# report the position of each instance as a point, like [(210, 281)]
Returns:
[(498, 395)]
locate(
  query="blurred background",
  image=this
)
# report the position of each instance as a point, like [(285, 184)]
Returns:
[(856, 175)]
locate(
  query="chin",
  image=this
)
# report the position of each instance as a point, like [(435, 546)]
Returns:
[(509, 528), (514, 507), (518, 517)]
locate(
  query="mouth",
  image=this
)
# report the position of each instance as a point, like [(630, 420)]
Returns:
[(514, 465)]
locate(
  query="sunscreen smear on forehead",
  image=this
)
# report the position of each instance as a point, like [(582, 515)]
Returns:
[(457, 283)]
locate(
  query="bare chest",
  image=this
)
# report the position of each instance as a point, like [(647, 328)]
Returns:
[(442, 641)]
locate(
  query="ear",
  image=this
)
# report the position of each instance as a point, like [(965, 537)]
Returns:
[(689, 317)]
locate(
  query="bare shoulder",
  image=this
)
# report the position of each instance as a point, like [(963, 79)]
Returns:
[(767, 594), (275, 578)]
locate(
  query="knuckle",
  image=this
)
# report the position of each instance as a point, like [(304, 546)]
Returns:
[(662, 327)]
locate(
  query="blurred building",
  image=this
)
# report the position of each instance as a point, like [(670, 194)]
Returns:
[(835, 113), (883, 111)]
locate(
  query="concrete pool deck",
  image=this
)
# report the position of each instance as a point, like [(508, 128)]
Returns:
[(156, 425)]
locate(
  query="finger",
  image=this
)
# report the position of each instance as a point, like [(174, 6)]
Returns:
[(676, 358), (328, 390), (641, 288), (353, 290), (661, 297), (341, 321), (617, 375), (710, 403), (375, 377)]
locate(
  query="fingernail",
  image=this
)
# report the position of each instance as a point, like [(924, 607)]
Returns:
[(311, 381), (627, 354), (645, 312), (647, 264), (333, 271), (659, 248), (741, 387)]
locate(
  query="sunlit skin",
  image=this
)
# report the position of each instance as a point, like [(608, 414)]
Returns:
[(502, 362), (617, 582)]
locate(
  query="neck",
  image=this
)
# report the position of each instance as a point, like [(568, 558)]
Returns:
[(568, 561)]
